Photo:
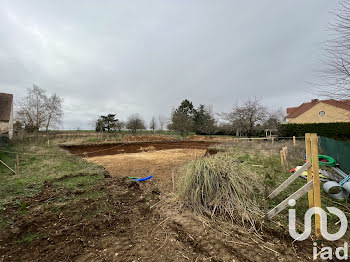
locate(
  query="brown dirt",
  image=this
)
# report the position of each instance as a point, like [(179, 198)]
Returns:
[(160, 164), (133, 147), (129, 223)]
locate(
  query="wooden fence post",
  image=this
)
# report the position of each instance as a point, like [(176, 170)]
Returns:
[(17, 164), (294, 140), (282, 158), (316, 180), (309, 172)]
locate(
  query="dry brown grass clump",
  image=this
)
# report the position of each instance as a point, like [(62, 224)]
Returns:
[(220, 186)]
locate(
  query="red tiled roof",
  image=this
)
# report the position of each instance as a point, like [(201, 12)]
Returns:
[(290, 109), (294, 112), (5, 106)]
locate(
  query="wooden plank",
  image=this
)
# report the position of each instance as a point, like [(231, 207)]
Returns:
[(316, 180), (298, 194), (290, 180), (7, 166), (309, 172)]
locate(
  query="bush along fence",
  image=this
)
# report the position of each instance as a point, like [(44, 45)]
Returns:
[(312, 187), (333, 130), (339, 150)]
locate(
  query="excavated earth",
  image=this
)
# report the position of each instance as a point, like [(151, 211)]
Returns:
[(133, 221), (133, 147)]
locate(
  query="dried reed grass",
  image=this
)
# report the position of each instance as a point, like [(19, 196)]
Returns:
[(220, 186)]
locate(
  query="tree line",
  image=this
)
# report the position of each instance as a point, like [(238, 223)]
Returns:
[(39, 111), (249, 118)]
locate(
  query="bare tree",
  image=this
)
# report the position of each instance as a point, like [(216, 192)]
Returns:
[(37, 111), (31, 109), (135, 122), (153, 124), (120, 125), (54, 111), (335, 78), (162, 120), (245, 118)]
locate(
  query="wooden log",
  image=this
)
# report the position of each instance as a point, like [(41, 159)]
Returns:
[(290, 180), (316, 180), (302, 191), (309, 172)]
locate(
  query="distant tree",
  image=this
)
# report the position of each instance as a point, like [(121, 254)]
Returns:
[(37, 111), (247, 116), (119, 125), (162, 120), (54, 111), (182, 118), (106, 123), (274, 119), (135, 122), (153, 124), (109, 122), (204, 122), (99, 125)]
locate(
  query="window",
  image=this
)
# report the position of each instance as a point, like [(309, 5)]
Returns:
[(321, 113)]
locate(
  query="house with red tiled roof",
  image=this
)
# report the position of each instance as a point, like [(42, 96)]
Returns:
[(319, 111), (6, 114)]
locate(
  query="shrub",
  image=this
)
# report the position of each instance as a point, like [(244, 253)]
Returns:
[(334, 130)]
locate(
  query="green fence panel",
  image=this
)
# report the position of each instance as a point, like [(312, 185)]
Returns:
[(340, 150)]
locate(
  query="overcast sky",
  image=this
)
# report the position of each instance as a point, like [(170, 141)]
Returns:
[(147, 56)]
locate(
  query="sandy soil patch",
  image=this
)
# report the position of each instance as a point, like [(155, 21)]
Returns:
[(160, 164)]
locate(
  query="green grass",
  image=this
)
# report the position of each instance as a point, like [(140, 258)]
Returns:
[(28, 239), (44, 163)]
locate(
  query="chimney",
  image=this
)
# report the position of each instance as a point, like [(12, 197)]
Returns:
[(314, 100)]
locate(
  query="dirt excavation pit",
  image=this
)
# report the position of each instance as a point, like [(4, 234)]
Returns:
[(160, 159), (134, 147)]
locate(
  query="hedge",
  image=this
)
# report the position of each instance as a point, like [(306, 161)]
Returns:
[(333, 130)]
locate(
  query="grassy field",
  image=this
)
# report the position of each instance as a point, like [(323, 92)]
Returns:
[(40, 164)]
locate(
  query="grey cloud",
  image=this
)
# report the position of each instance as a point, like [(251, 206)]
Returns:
[(146, 56)]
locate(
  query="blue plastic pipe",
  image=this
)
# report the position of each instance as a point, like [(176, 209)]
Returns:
[(143, 179)]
